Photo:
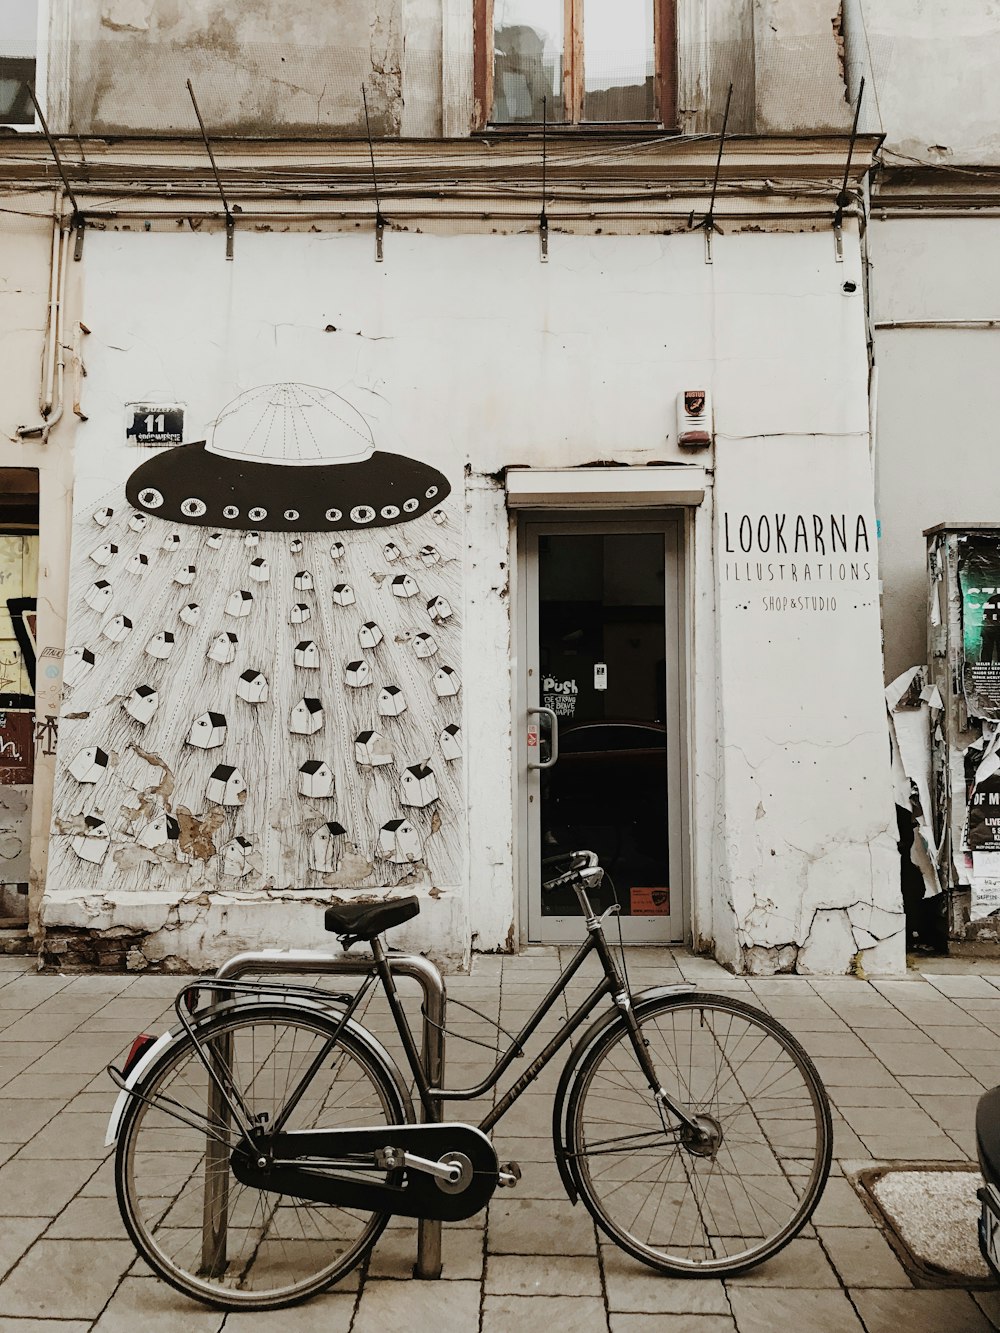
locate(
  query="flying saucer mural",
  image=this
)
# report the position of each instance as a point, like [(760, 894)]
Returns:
[(254, 697)]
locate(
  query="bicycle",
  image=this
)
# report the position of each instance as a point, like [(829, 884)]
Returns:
[(264, 1142)]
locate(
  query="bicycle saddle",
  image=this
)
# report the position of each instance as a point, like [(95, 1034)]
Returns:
[(365, 920)]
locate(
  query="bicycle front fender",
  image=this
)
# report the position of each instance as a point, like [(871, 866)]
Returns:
[(597, 1030)]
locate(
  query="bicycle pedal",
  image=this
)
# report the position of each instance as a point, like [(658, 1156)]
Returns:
[(510, 1174)]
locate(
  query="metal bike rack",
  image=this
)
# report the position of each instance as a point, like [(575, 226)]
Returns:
[(303, 962)]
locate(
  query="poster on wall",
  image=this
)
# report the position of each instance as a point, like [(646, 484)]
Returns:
[(979, 580), (262, 680)]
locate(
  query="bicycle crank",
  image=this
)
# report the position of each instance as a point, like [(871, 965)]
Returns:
[(446, 1172)]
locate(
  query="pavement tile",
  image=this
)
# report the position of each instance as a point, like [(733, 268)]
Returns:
[(632, 1286), (40, 1086), (80, 1135), (905, 1148), (154, 1307), (671, 1323), (801, 1264), (854, 1073), (44, 1325), (866, 1120), (554, 1314), (542, 1275), (863, 1257), (879, 1039), (89, 1271), (22, 1118), (979, 1038), (840, 1206), (537, 1226), (961, 987), (461, 1253), (88, 1219), (951, 1112), (920, 1312), (102, 1183), (330, 1312), (921, 1084), (33, 1188), (881, 1096), (17, 1234), (38, 1027), (941, 1014), (910, 1058), (760, 1310), (835, 1043), (451, 1308)]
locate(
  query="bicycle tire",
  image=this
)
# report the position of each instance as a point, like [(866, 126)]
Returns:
[(723, 1213), (275, 1250)]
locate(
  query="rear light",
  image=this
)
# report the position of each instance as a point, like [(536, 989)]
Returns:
[(138, 1048)]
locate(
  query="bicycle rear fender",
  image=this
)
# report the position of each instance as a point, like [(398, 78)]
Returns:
[(165, 1043), (582, 1048)]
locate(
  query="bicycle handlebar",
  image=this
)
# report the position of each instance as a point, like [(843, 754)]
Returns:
[(581, 868)]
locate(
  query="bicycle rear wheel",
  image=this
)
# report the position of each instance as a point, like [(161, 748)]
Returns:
[(229, 1245), (724, 1202)]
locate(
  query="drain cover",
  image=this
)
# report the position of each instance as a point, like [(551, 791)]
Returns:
[(931, 1214)]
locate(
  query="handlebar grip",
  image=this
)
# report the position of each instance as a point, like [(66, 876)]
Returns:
[(576, 862)]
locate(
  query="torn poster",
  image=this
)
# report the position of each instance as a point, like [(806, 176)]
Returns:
[(983, 827), (912, 704), (979, 579), (985, 883)]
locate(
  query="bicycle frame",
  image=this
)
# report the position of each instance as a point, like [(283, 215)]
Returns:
[(427, 1065), (612, 986)]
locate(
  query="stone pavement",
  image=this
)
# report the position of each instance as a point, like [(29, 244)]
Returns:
[(904, 1062)]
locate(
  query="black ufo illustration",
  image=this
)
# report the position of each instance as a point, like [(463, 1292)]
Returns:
[(286, 458)]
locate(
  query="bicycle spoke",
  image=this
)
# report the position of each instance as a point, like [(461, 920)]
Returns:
[(264, 1248), (724, 1196)]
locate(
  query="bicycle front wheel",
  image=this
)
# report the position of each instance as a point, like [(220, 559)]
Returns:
[(720, 1201), (230, 1245)]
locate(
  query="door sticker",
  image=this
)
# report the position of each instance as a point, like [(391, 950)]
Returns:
[(560, 696), (650, 902)]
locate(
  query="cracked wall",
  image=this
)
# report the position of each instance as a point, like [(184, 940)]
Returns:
[(477, 358), (257, 69), (810, 833)]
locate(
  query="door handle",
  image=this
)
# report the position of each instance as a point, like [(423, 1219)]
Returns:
[(553, 739)]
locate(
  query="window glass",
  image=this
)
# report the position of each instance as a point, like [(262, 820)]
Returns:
[(527, 60), (618, 60), (18, 43)]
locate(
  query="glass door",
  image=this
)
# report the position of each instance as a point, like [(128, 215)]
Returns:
[(601, 766)]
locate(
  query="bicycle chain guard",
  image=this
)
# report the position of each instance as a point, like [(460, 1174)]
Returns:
[(346, 1182)]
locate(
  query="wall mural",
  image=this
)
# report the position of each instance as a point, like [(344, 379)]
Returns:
[(262, 676)]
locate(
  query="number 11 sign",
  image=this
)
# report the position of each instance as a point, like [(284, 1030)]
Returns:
[(154, 425)]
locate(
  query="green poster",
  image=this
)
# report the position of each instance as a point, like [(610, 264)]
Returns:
[(979, 579)]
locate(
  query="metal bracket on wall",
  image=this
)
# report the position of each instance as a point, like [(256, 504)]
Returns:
[(543, 221), (78, 222), (379, 219), (230, 220), (707, 223), (843, 198)]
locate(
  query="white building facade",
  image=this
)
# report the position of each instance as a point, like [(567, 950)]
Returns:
[(592, 631)]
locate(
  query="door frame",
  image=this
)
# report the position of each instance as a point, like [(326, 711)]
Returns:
[(674, 523)]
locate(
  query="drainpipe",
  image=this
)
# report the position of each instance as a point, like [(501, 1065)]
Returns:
[(50, 400)]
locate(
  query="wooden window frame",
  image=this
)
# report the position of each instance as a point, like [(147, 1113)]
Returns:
[(664, 77)]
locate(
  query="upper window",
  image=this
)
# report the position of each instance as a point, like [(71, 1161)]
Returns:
[(18, 60), (574, 62)]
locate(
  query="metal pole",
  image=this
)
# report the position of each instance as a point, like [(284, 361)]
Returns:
[(433, 1009), (215, 1212)]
